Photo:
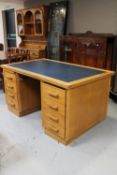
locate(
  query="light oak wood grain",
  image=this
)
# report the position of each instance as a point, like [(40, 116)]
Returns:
[(68, 109)]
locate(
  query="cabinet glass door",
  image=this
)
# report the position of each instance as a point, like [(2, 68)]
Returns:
[(20, 24), (38, 23), (29, 23), (57, 27)]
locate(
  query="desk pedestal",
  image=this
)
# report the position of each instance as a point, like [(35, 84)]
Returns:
[(22, 93), (69, 113)]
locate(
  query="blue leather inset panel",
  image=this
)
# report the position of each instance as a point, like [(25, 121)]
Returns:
[(57, 70)]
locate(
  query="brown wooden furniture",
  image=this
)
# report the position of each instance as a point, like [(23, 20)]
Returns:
[(114, 68), (18, 92), (17, 54), (88, 49), (3, 60), (69, 108), (32, 28), (11, 56)]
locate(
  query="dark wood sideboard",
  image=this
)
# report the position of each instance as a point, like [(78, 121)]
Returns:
[(91, 49), (88, 49), (114, 68)]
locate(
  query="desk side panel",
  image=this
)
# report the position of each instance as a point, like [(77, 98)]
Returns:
[(86, 106), (28, 94)]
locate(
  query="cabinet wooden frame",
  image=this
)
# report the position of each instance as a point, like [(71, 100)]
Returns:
[(28, 16), (20, 23), (88, 49), (32, 28)]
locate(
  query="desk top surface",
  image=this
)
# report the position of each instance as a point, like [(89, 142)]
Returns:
[(57, 70)]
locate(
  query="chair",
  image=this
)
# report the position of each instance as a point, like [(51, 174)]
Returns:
[(17, 55), (14, 55)]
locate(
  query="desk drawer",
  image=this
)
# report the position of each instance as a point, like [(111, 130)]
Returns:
[(10, 81), (9, 76), (53, 93), (55, 129), (10, 86), (54, 107), (54, 118), (12, 101)]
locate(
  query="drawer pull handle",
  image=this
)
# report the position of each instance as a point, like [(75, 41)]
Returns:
[(53, 107), (53, 95), (9, 86), (9, 78), (52, 118), (11, 95), (11, 103)]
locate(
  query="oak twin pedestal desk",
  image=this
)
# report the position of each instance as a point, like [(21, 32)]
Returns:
[(73, 98)]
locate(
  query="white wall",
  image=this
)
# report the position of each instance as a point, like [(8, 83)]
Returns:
[(5, 6), (98, 16)]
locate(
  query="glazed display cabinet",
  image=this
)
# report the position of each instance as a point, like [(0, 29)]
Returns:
[(32, 28), (57, 27)]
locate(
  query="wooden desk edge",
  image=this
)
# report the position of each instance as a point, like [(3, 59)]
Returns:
[(62, 84)]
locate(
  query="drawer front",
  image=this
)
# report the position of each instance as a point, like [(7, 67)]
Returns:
[(54, 118), (55, 129), (12, 100), (9, 76), (54, 107), (10, 86), (53, 93), (10, 81)]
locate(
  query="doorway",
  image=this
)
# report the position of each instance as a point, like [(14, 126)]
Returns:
[(9, 28)]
